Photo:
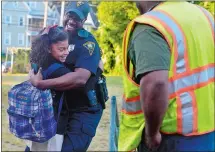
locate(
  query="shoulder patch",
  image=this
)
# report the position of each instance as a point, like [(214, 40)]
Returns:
[(83, 33), (90, 46), (71, 47)]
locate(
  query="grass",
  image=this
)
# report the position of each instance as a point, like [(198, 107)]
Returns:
[(13, 79), (100, 141), (9, 141)]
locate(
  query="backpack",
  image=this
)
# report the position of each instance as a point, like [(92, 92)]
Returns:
[(30, 111)]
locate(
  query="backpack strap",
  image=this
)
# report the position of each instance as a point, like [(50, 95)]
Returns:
[(60, 106), (46, 73), (52, 68)]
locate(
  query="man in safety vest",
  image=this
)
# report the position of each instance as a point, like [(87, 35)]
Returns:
[(168, 102)]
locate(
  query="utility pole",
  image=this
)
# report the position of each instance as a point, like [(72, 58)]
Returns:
[(62, 12), (6, 56), (12, 54), (25, 61), (45, 14)]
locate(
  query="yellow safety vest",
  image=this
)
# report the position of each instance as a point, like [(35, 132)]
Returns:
[(189, 31)]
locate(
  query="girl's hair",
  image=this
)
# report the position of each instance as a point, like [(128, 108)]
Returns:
[(41, 44)]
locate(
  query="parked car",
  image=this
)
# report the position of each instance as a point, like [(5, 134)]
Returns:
[(6, 67)]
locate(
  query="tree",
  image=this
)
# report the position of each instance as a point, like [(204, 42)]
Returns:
[(207, 5), (21, 61), (113, 17)]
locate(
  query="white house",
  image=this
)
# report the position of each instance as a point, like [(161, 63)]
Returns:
[(92, 21), (21, 21)]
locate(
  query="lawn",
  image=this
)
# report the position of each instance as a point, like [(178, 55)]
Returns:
[(100, 141)]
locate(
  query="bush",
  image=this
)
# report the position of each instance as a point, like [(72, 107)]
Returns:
[(21, 61), (113, 17)]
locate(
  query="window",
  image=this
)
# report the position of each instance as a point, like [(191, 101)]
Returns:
[(21, 21), (32, 4), (20, 39), (16, 4), (7, 19), (7, 38)]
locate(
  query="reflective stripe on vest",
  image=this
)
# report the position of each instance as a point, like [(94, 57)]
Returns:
[(204, 76), (180, 85), (131, 106), (178, 35), (194, 81), (187, 122)]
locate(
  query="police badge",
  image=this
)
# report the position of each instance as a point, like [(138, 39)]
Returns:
[(71, 47)]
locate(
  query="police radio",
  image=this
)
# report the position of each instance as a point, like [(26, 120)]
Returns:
[(102, 91)]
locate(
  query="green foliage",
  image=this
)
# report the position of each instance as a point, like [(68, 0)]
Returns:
[(21, 61), (113, 17), (3, 57), (207, 5)]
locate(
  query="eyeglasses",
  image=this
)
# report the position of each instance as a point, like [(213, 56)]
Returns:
[(47, 29)]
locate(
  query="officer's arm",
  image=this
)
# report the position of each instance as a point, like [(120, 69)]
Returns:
[(75, 79), (70, 80), (154, 99), (84, 78)]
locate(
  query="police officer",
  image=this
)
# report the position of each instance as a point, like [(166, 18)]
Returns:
[(84, 110)]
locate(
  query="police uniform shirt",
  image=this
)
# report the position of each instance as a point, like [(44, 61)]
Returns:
[(84, 52), (59, 72)]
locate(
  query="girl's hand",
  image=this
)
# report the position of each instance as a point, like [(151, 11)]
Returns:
[(35, 78)]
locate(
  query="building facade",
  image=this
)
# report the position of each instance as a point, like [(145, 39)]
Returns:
[(22, 20)]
